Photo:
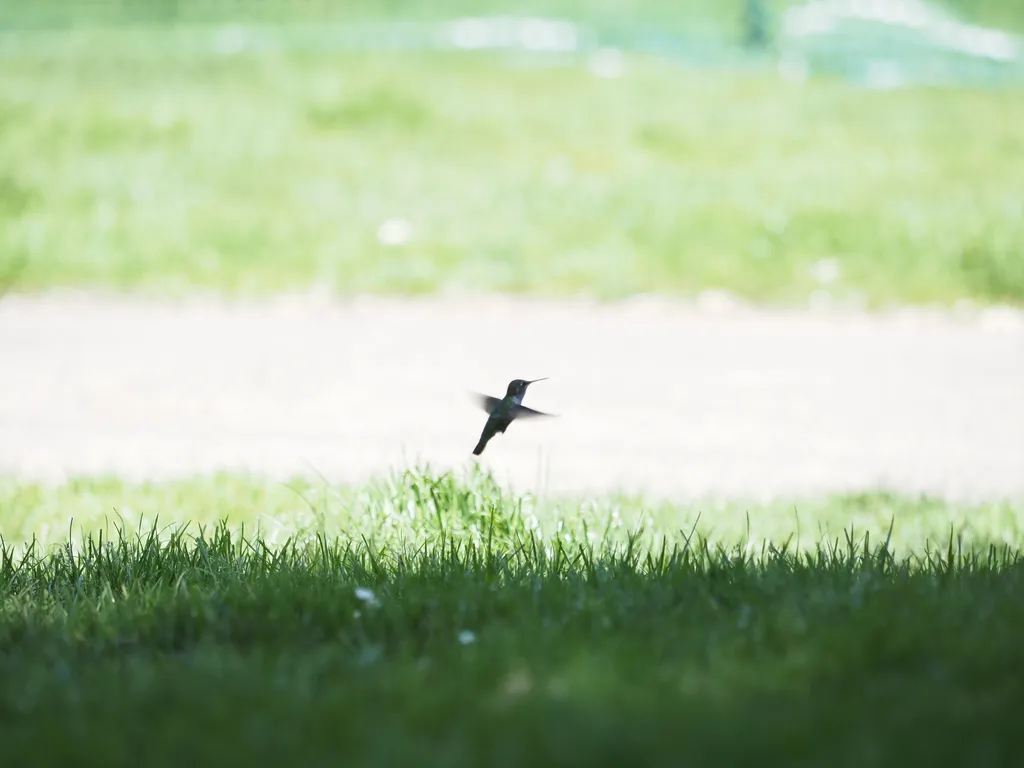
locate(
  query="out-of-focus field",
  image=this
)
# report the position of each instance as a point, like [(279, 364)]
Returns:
[(144, 158), (448, 622), (666, 14)]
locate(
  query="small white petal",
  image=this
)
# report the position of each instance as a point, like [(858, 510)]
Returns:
[(366, 595), (607, 63), (394, 232), (826, 271)]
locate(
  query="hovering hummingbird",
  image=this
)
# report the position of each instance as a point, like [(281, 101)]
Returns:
[(504, 411)]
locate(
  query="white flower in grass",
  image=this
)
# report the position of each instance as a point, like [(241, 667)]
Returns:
[(607, 63), (826, 271), (394, 231), (367, 596)]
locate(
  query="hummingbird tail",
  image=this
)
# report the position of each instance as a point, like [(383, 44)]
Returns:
[(480, 447)]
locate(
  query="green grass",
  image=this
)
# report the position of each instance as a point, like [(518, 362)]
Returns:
[(674, 14), (442, 620), (418, 503), (128, 160)]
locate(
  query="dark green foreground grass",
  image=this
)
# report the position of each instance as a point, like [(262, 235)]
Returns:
[(471, 627)]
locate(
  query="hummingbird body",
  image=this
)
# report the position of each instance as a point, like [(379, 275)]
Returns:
[(503, 411)]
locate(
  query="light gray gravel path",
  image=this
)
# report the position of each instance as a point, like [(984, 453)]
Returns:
[(658, 397)]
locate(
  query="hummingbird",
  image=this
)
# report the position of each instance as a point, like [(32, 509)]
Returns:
[(504, 411)]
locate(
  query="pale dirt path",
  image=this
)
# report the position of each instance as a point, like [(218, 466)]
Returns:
[(667, 399)]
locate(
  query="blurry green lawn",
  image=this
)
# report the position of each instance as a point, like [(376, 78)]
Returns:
[(440, 621), (677, 15), (127, 161)]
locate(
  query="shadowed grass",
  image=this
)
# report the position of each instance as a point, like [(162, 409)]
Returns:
[(132, 160), (445, 621)]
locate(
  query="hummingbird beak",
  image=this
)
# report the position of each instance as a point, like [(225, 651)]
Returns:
[(536, 380)]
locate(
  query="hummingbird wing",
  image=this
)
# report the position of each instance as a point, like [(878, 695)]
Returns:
[(485, 402), (488, 404), (522, 412)]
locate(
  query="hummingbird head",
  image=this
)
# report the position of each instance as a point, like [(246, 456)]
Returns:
[(517, 387)]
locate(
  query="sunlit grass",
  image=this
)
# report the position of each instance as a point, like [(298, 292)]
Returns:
[(677, 15), (413, 505), (442, 620), (130, 160)]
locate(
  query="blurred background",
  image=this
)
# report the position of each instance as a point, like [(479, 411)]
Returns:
[(835, 151), (823, 155)]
